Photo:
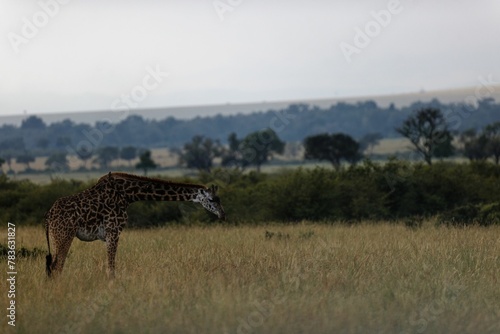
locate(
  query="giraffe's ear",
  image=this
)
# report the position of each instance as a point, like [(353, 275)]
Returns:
[(213, 189)]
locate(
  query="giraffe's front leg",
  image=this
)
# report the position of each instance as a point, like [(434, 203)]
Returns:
[(113, 229), (111, 247)]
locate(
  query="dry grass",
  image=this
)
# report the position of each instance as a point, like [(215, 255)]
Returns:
[(305, 279), (392, 146)]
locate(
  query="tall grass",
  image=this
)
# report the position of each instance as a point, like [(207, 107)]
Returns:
[(303, 278)]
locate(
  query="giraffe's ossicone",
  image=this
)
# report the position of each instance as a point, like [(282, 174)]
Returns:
[(100, 212)]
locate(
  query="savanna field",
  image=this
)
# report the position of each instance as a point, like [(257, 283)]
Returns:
[(253, 167), (373, 248), (301, 278)]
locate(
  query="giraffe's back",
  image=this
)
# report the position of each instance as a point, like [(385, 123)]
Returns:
[(72, 210)]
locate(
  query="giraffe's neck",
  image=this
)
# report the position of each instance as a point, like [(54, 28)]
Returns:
[(128, 188), (145, 189)]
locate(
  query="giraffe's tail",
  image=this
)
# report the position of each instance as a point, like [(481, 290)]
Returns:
[(48, 258)]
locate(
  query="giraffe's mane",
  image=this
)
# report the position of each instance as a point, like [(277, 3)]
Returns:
[(149, 179)]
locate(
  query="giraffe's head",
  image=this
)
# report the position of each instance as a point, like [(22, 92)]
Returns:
[(208, 198)]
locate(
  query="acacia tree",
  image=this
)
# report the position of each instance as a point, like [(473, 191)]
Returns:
[(231, 153), (85, 154), (474, 145), (146, 162), (8, 156), (428, 133), (259, 146), (26, 158), (10, 148), (57, 162), (106, 155), (128, 153), (332, 148), (492, 133), (369, 141), (200, 153), (481, 146)]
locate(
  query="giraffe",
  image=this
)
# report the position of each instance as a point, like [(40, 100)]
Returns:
[(100, 212)]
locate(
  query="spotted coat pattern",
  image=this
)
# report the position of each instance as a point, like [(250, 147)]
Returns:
[(100, 212)]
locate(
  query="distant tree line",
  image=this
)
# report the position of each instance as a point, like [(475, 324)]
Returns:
[(432, 132), (58, 161), (427, 130), (292, 124)]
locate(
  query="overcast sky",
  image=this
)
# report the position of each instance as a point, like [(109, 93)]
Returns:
[(98, 55)]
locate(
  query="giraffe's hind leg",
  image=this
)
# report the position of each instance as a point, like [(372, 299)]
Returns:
[(63, 243)]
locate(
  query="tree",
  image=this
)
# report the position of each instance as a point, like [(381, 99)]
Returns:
[(145, 162), (475, 146), (106, 155), (2, 161), (200, 152), (13, 145), (483, 145), (258, 147), (8, 156), (128, 153), (10, 148), (57, 162), (492, 134), (232, 157), (42, 143), (33, 123), (333, 148), (445, 148), (63, 141), (369, 141), (25, 158), (85, 154), (428, 132)]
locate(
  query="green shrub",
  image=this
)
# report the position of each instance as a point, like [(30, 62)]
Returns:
[(396, 190), (489, 214), (472, 214), (26, 203), (460, 216), (300, 195)]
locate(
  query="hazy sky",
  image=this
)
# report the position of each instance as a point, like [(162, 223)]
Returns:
[(60, 56)]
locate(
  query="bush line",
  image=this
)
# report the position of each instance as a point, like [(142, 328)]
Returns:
[(458, 194)]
